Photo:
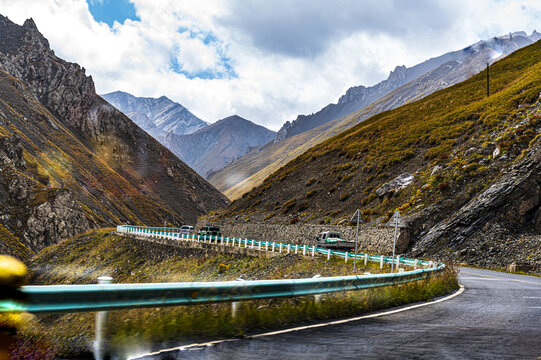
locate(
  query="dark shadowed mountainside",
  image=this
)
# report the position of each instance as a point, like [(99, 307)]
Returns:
[(69, 161)]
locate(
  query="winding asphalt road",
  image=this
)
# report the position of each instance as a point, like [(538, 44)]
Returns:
[(498, 316)]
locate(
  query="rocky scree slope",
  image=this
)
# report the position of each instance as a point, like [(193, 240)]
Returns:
[(157, 116), (470, 164), (439, 73), (70, 161), (213, 147)]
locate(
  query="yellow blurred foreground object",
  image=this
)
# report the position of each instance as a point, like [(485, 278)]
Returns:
[(12, 271), (12, 275)]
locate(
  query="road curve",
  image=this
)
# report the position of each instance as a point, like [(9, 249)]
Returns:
[(498, 316)]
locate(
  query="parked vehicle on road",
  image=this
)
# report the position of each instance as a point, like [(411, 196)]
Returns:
[(186, 229), (333, 240), (211, 230)]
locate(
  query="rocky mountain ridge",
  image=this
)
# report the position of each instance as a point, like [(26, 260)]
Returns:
[(157, 116), (358, 97)]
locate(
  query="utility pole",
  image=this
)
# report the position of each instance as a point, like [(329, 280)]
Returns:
[(488, 81), (358, 214)]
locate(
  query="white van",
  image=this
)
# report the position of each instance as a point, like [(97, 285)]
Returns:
[(186, 229)]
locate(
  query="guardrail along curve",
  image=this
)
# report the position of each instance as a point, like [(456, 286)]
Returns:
[(94, 297)]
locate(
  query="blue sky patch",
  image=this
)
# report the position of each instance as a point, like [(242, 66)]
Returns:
[(222, 70), (109, 11)]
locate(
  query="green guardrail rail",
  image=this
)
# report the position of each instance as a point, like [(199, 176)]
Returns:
[(96, 297)]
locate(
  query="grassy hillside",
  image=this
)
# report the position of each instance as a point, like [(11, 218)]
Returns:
[(446, 140), (251, 170)]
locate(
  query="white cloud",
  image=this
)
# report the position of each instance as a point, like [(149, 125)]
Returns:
[(273, 60)]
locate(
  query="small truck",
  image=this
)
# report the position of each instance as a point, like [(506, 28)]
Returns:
[(333, 240), (211, 230)]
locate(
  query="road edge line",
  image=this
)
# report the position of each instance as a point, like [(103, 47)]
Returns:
[(300, 328), (369, 316)]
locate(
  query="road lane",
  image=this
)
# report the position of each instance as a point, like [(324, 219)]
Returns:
[(498, 316)]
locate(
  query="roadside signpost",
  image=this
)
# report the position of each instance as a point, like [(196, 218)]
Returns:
[(359, 219), (396, 221)]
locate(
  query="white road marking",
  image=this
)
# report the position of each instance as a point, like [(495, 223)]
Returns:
[(336, 322), (501, 278)]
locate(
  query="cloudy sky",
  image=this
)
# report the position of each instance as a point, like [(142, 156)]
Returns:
[(266, 60)]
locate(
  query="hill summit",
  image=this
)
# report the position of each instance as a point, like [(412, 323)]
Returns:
[(157, 116)]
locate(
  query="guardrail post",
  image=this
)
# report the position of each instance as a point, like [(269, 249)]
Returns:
[(346, 257), (288, 248), (235, 304), (365, 259), (296, 249), (259, 245), (328, 254), (304, 250), (317, 298), (245, 243), (313, 251), (280, 248), (381, 262), (100, 343), (252, 243), (234, 309), (415, 264), (398, 262), (266, 246), (273, 246)]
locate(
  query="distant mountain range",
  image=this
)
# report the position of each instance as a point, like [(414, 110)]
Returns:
[(211, 148), (69, 161), (157, 116), (206, 148), (403, 85), (358, 97)]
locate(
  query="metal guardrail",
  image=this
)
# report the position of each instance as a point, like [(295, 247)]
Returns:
[(75, 298)]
